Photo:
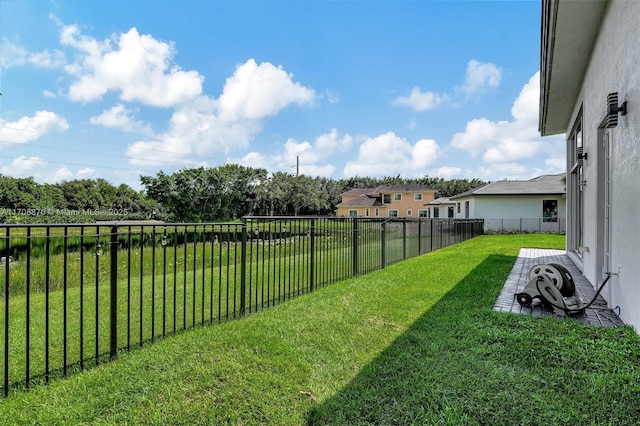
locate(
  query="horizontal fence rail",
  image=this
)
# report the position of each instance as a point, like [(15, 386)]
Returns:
[(75, 295)]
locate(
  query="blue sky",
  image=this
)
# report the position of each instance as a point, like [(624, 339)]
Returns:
[(118, 89)]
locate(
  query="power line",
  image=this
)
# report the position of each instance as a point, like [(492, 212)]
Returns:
[(75, 138), (104, 155), (66, 163)]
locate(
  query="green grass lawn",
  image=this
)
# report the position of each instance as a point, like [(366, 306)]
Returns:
[(415, 343)]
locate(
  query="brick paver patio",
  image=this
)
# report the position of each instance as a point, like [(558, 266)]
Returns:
[(597, 314)]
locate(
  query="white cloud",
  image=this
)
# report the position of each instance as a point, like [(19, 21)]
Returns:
[(424, 152), (85, 173), (60, 175), (388, 154), (480, 76), (120, 117), (258, 91), (137, 66), (446, 172), (22, 166), (252, 159), (311, 157), (421, 101), (332, 96), (205, 126), (507, 142), (15, 55), (28, 129), (64, 174), (510, 171)]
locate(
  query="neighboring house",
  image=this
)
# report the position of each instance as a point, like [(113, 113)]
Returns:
[(441, 207), (589, 74), (540, 202), (386, 201)]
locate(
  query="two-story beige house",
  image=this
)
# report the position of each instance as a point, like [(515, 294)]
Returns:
[(386, 201)]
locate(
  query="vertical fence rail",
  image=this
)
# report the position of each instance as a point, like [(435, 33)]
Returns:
[(150, 279)]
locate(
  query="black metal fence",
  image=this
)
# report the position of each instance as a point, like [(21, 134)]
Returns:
[(525, 225), (75, 295)]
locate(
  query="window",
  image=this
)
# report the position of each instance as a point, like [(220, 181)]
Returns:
[(458, 205), (549, 210), (423, 213), (353, 213), (575, 188), (466, 210), (366, 212), (450, 211), (386, 198), (397, 197), (436, 212), (377, 212), (409, 212), (393, 213), (417, 197)]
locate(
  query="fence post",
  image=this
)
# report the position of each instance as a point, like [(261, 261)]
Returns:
[(431, 231), (6, 312), (243, 267), (404, 239), (114, 291), (312, 253), (419, 237), (354, 235), (383, 251)]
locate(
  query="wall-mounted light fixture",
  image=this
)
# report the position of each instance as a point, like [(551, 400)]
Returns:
[(613, 109), (581, 155)]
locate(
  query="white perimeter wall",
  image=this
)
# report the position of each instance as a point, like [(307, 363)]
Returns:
[(615, 67)]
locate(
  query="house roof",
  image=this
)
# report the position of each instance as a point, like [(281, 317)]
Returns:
[(405, 188), (359, 191), (378, 190), (361, 201), (546, 184), (441, 200), (568, 33)]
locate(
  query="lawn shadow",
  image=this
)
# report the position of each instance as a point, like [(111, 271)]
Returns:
[(410, 382)]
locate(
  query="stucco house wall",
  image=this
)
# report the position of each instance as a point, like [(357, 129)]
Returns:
[(361, 201), (407, 206), (506, 205), (515, 206), (523, 212), (613, 67), (590, 50)]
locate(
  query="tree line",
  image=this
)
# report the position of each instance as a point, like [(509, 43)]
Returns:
[(203, 194)]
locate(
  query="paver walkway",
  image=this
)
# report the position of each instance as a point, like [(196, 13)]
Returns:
[(597, 314)]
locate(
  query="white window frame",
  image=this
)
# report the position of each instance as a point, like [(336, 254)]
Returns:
[(575, 187), (393, 213)]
